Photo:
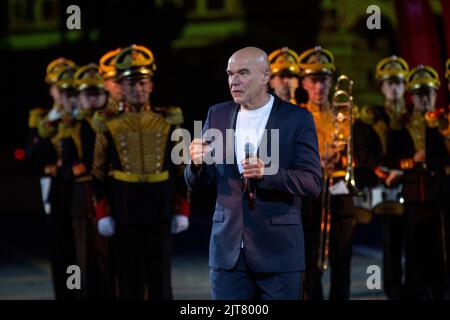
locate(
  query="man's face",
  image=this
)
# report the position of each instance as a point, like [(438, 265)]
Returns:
[(92, 99), (393, 89), (68, 100), (424, 100), (136, 91), (247, 80), (54, 93), (114, 89), (317, 87), (282, 85)]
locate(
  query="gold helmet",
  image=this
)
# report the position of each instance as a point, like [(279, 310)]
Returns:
[(447, 69), (316, 61), (65, 78), (423, 76), (54, 68), (135, 61), (88, 77), (107, 64), (391, 67), (284, 62)]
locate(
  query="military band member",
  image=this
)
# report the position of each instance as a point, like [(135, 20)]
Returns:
[(285, 72), (424, 192), (58, 167), (380, 141), (135, 144), (34, 150), (90, 248), (317, 70), (108, 72)]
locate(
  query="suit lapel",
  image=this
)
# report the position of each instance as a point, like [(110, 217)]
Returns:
[(232, 125)]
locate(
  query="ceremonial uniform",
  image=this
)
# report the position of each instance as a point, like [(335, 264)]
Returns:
[(55, 132), (97, 281), (381, 140), (135, 145), (38, 150), (317, 61), (425, 193)]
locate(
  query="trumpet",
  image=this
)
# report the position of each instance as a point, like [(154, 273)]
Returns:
[(343, 110)]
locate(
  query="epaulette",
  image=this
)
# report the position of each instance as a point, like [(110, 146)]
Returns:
[(46, 128), (35, 116), (99, 120), (174, 115)]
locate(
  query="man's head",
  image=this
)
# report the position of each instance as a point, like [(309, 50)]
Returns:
[(285, 71), (248, 76), (424, 99), (317, 87), (393, 88), (316, 71), (136, 90), (391, 73), (114, 89), (90, 86), (423, 83), (108, 71), (66, 88), (51, 77), (135, 66), (284, 86)]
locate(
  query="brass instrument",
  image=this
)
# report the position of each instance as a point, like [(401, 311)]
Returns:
[(343, 111)]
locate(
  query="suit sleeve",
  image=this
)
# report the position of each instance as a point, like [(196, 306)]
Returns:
[(198, 178), (305, 176)]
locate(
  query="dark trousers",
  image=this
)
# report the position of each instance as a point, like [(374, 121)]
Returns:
[(143, 261), (62, 247), (312, 277), (341, 236), (340, 247), (241, 283), (92, 250), (424, 268), (393, 244)]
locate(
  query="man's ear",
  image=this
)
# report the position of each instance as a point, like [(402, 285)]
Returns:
[(266, 77)]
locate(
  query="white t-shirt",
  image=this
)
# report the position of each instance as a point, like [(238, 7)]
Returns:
[(250, 125)]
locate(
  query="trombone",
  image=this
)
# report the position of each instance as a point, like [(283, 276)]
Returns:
[(342, 109)]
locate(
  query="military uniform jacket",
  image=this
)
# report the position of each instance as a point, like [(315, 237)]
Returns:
[(134, 148)]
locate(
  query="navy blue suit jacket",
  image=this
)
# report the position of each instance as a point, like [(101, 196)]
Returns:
[(272, 233)]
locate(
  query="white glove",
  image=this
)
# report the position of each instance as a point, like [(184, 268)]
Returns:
[(106, 226), (179, 223)]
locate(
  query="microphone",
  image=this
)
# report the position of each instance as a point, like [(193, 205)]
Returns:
[(249, 150)]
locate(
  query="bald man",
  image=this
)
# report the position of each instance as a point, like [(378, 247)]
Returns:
[(256, 247)]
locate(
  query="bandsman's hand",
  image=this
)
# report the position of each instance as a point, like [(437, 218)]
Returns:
[(253, 168)]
